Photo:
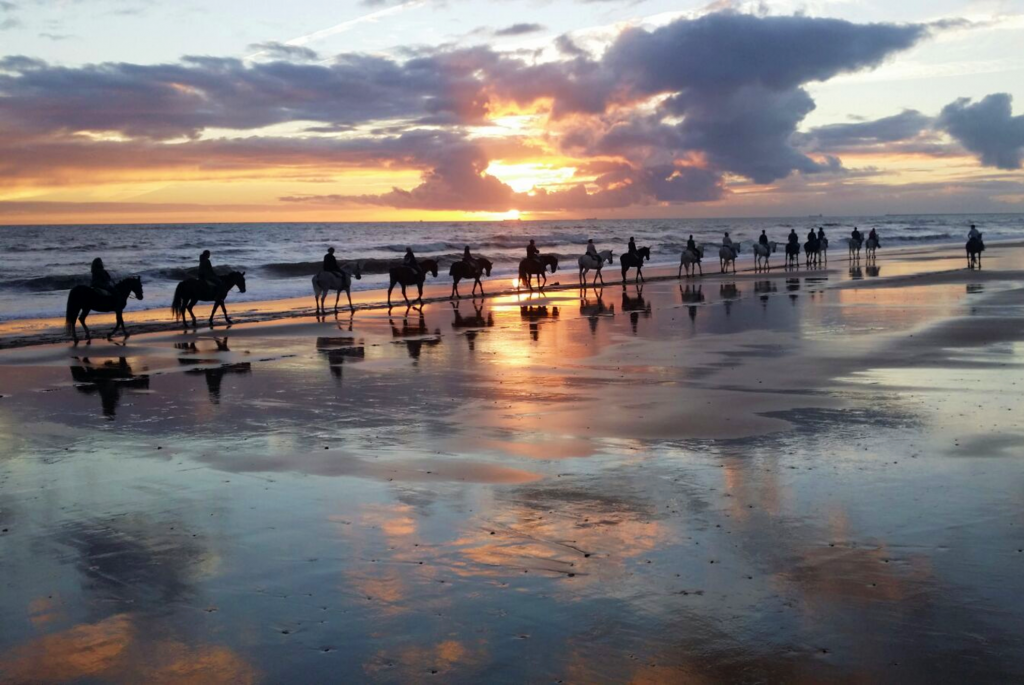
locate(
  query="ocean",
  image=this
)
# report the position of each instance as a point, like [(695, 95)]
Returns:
[(41, 263)]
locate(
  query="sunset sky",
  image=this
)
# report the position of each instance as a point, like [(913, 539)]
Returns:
[(145, 111)]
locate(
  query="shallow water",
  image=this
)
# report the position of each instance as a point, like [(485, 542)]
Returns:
[(744, 480)]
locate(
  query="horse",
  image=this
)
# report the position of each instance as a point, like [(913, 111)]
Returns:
[(727, 254), (463, 269), (192, 290), (793, 255), (326, 281), (688, 259), (870, 246), (763, 252), (83, 299), (812, 253), (406, 276), (823, 248), (855, 245), (628, 261), (587, 263), (975, 246), (536, 267)]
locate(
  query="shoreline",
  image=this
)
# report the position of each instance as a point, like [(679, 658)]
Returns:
[(28, 332)]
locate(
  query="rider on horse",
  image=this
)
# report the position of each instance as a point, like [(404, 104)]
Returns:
[(763, 239), (631, 249), (410, 261), (872, 234), (592, 251), (101, 280), (794, 239), (856, 235), (532, 253), (821, 233), (331, 263), (974, 233), (206, 272), (691, 245), (727, 241), (468, 258)]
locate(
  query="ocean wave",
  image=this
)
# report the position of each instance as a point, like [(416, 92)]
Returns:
[(46, 283)]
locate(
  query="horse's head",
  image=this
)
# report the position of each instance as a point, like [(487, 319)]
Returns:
[(357, 270), (237, 279), (134, 284), (486, 264), (645, 253), (552, 260), (429, 265)]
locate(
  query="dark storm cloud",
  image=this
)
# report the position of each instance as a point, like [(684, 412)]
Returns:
[(987, 128), (906, 125)]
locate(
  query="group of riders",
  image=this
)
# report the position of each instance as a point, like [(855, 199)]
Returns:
[(103, 282)]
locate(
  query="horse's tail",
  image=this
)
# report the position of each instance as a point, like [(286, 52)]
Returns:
[(178, 304), (71, 313), (452, 269)]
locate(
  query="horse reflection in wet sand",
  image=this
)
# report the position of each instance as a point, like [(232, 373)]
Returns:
[(107, 380), (535, 314), (692, 296), (594, 309), (415, 336), (729, 293), (471, 324), (635, 307)]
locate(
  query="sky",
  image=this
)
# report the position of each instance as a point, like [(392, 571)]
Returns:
[(140, 111)]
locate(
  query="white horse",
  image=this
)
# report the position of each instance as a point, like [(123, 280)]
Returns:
[(726, 255), (855, 247), (587, 263), (326, 281), (689, 259), (762, 253), (870, 246)]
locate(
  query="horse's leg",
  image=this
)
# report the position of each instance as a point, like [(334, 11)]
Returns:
[(404, 296), (213, 311), (455, 288), (640, 274), (337, 296), (224, 309), (390, 288), (81, 319), (192, 313), (419, 288)]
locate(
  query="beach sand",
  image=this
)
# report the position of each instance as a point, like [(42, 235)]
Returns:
[(783, 477)]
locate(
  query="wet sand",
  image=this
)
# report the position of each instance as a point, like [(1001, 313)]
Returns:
[(783, 477)]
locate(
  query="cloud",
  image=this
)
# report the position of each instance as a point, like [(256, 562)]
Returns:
[(276, 50), (907, 125), (682, 106), (519, 29), (987, 128), (7, 18)]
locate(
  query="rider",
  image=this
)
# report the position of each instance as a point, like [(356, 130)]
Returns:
[(811, 237), (691, 245), (532, 252), (206, 272), (856, 235), (821, 233), (592, 251), (331, 263), (763, 239), (410, 261), (727, 241), (794, 239), (101, 280), (631, 249), (872, 234), (467, 257), (974, 233)]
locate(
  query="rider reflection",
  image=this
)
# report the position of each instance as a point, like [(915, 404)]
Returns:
[(108, 381)]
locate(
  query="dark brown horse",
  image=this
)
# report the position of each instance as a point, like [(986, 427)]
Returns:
[(462, 269), (83, 299), (975, 246), (191, 291), (628, 261), (528, 268), (406, 276)]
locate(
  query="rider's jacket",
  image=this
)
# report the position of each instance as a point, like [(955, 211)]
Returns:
[(102, 280), (331, 263), (206, 271), (532, 252)]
